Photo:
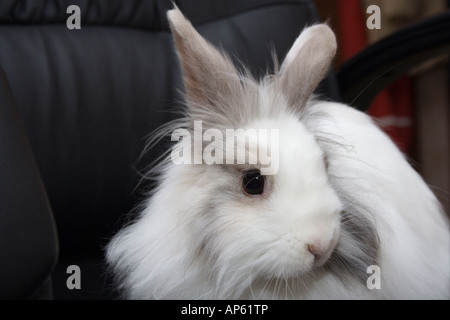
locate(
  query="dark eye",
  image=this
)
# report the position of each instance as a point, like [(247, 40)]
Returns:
[(253, 182)]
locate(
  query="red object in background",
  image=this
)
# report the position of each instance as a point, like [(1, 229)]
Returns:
[(393, 106), (352, 28)]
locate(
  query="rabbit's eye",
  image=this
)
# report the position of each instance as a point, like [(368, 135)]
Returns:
[(253, 182)]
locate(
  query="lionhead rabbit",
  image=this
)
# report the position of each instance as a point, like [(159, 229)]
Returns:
[(342, 215)]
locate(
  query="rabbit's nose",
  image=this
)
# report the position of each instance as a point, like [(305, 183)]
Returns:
[(316, 249), (320, 250)]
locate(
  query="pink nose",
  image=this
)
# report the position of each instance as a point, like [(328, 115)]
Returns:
[(320, 251), (316, 249)]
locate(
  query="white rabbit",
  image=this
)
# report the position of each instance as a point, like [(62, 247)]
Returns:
[(343, 199)]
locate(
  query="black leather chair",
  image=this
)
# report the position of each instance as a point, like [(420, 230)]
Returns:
[(88, 100)]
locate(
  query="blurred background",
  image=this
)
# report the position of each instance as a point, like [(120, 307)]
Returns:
[(415, 110)]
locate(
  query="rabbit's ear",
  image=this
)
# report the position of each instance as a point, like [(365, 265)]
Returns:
[(210, 78), (307, 63)]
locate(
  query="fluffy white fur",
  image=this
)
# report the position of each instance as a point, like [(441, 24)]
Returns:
[(199, 236)]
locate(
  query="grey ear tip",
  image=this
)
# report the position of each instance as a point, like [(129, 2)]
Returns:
[(172, 13), (325, 28), (326, 32), (177, 21)]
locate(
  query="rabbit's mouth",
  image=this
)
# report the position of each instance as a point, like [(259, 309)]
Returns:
[(294, 256)]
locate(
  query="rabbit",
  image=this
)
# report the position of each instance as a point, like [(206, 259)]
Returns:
[(343, 216)]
